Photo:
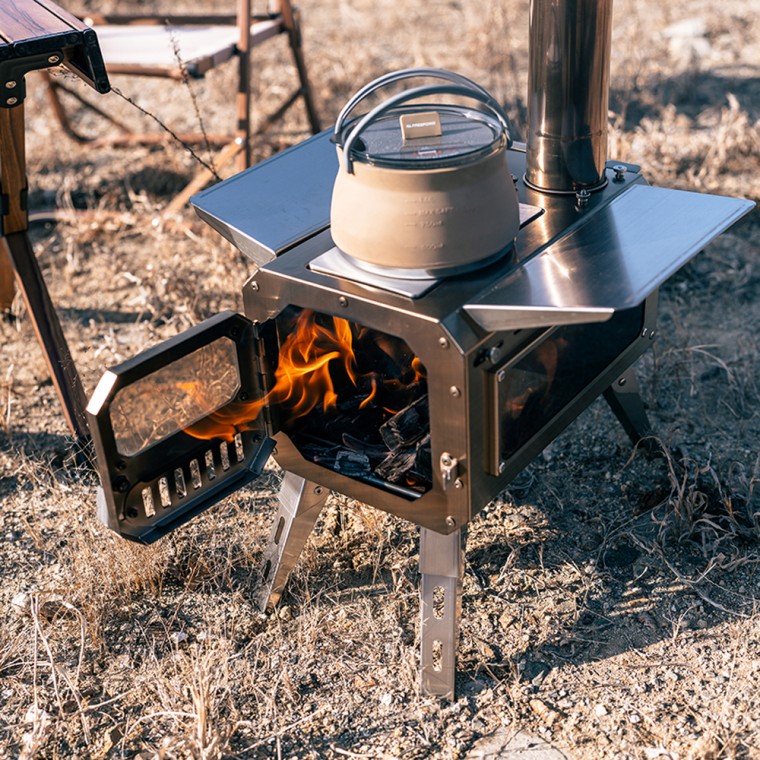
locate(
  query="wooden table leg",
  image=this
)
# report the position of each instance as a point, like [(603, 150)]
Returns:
[(7, 289), (49, 334), (16, 243)]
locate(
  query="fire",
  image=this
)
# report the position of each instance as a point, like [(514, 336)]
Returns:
[(310, 359), (302, 378)]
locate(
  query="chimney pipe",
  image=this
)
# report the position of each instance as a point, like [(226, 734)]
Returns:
[(568, 92)]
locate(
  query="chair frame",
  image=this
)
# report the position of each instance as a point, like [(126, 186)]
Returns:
[(284, 20)]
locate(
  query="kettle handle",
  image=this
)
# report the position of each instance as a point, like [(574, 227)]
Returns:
[(397, 76), (478, 94)]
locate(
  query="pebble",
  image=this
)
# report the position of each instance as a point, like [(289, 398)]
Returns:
[(600, 711), (21, 604)]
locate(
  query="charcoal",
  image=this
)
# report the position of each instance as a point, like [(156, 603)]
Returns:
[(407, 426), (423, 464), (397, 464), (372, 450), (352, 463)]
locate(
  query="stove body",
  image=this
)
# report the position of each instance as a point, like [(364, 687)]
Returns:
[(507, 356), (495, 397)]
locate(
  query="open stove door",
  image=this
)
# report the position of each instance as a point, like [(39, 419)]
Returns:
[(179, 427)]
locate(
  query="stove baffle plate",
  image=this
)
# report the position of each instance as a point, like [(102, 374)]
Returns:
[(412, 283)]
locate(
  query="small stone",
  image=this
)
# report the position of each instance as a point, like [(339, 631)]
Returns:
[(178, 637), (600, 711), (21, 604), (285, 613), (634, 718), (386, 699), (544, 711)]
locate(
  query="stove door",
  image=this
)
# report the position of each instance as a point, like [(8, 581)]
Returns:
[(179, 427)]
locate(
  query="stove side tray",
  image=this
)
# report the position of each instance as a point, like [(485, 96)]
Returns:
[(179, 427), (276, 204), (622, 254)]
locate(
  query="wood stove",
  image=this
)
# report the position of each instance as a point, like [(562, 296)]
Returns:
[(421, 397)]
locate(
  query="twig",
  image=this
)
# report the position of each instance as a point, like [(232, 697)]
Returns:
[(346, 752), (186, 82), (174, 136), (276, 734)]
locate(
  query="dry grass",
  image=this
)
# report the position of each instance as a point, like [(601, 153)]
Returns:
[(610, 600)]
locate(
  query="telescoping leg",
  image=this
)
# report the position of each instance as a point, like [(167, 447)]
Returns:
[(300, 504), (442, 567), (624, 399)]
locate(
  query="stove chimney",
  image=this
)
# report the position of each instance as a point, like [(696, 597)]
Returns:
[(568, 90)]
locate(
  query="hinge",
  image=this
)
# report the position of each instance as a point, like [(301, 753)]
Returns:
[(262, 373)]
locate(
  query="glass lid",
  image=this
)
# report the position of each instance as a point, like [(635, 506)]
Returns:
[(448, 136)]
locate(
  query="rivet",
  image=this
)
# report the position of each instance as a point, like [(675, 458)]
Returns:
[(651, 335), (445, 460), (318, 490), (494, 354), (582, 198), (11, 84), (455, 392), (54, 58), (622, 381), (644, 333), (458, 483), (500, 377), (502, 467), (254, 286), (443, 342), (450, 521), (620, 170), (343, 301), (11, 101)]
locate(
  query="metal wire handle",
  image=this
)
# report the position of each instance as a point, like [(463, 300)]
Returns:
[(397, 76), (476, 93)]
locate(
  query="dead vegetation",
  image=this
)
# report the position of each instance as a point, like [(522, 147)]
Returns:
[(610, 600)]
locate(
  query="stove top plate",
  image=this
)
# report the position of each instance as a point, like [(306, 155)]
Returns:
[(410, 283)]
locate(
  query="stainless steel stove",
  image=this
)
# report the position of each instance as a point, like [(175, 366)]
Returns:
[(422, 397)]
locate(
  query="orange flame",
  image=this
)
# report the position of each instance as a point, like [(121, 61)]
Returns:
[(302, 378)]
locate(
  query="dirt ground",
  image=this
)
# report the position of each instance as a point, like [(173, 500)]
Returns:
[(610, 601)]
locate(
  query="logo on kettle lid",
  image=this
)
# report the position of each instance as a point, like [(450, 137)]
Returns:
[(414, 125)]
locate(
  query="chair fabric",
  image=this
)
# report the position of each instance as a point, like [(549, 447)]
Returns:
[(157, 46)]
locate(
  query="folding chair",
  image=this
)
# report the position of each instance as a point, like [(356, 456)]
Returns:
[(176, 47)]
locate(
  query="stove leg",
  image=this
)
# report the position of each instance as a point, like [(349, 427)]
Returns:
[(442, 567), (624, 399), (300, 504)]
